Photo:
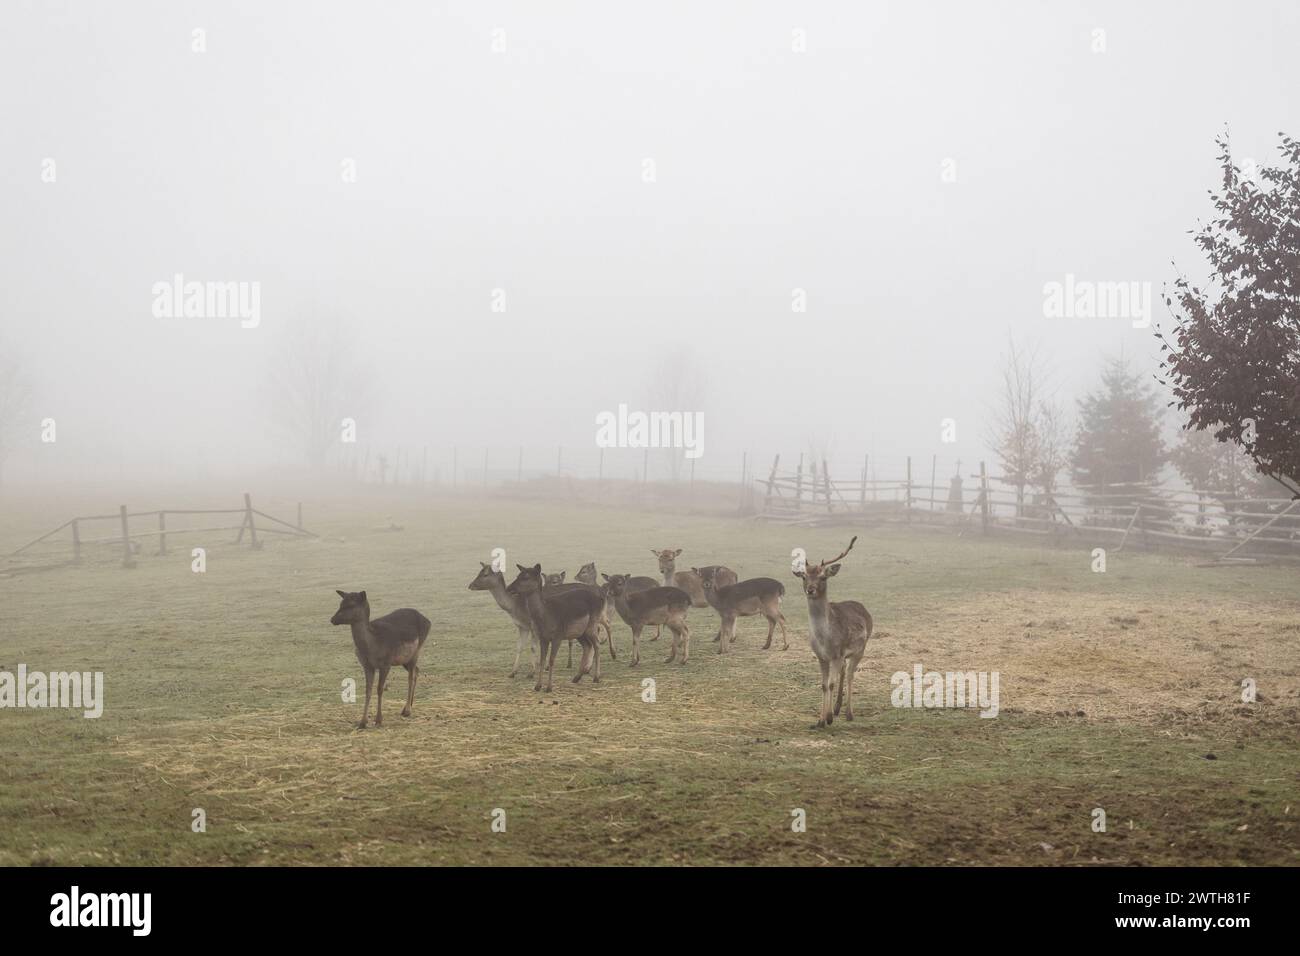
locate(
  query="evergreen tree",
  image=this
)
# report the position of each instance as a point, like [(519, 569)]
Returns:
[(1119, 430)]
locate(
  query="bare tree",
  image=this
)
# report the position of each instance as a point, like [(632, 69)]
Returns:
[(319, 378), (677, 384), (1053, 446), (15, 395), (1015, 437)]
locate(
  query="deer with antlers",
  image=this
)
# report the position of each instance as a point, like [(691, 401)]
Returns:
[(838, 632)]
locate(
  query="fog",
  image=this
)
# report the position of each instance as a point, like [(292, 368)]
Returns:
[(920, 171)]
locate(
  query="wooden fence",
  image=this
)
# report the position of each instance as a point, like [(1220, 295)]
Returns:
[(1122, 515), (127, 540)]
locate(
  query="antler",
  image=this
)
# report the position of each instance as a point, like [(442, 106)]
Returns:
[(842, 553)]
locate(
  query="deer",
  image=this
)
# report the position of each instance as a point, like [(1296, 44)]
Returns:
[(559, 615), (395, 638), (494, 582), (554, 584), (656, 605), (691, 581), (744, 599), (838, 632)]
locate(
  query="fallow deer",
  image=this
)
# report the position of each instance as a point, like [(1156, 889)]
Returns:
[(395, 638), (838, 632), (494, 582), (691, 581), (554, 584), (656, 605), (557, 616), (744, 599)]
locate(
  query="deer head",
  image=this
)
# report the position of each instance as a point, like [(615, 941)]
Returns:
[(528, 581), (354, 608), (485, 578), (667, 559), (587, 573), (815, 576), (615, 584), (553, 579)]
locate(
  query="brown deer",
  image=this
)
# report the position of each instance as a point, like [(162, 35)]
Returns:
[(744, 599), (656, 605), (395, 638), (494, 582), (554, 617), (838, 632), (554, 584)]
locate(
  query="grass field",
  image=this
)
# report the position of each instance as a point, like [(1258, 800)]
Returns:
[(1119, 690)]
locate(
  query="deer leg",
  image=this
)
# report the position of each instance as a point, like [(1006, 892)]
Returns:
[(833, 669), (570, 653), (771, 628), (365, 711), (726, 634), (826, 697), (785, 643), (525, 634), (411, 671), (658, 629), (541, 663), (636, 646), (848, 680), (379, 697), (613, 654), (584, 663), (839, 699), (672, 629), (595, 653), (686, 640), (550, 664)]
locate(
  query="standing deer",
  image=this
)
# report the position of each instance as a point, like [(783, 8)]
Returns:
[(557, 616), (554, 584), (395, 638), (744, 599), (494, 582), (657, 605), (838, 632)]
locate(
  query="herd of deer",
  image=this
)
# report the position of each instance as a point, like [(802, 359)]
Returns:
[(547, 611)]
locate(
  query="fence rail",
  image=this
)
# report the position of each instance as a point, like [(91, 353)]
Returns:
[(124, 536), (1139, 514)]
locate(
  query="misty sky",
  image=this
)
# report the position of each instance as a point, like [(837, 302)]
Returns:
[(523, 170)]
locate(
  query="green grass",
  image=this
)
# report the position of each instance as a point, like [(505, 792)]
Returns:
[(223, 693)]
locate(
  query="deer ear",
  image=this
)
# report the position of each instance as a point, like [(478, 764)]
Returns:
[(604, 575), (362, 596), (341, 594), (521, 567), (677, 552), (562, 574), (833, 570), (537, 568), (799, 574)]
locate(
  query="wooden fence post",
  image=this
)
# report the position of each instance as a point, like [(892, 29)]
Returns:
[(826, 481), (248, 517), (798, 485), (907, 494), (770, 479), (862, 492), (127, 560), (984, 498), (162, 532)]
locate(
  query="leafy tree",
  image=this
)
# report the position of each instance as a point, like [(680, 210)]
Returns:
[(1234, 360), (1118, 440)]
